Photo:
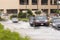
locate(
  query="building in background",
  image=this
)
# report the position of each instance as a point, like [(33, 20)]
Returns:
[(15, 6)]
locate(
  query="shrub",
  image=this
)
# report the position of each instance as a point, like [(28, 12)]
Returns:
[(24, 19), (21, 15), (13, 16), (26, 38), (1, 26), (38, 12), (8, 35), (1, 19), (29, 12), (25, 15), (58, 12)]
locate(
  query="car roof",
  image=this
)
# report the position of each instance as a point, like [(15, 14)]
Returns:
[(56, 18)]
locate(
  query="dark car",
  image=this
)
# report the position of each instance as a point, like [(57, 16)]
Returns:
[(56, 23), (38, 20)]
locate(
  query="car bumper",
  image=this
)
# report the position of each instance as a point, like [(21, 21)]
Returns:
[(42, 24), (56, 27), (15, 21)]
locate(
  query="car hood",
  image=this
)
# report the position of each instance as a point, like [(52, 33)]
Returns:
[(56, 23)]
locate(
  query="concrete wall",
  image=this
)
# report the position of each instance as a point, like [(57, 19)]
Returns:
[(9, 4), (14, 4)]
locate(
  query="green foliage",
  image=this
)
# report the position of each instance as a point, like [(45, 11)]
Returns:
[(12, 16), (26, 38), (26, 14), (1, 26), (29, 12), (8, 35), (1, 19), (24, 19), (38, 12), (21, 15), (57, 11)]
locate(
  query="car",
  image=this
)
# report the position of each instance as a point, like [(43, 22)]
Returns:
[(31, 19), (52, 17), (56, 23), (39, 20), (15, 20)]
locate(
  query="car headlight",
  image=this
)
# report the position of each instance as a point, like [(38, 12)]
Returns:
[(37, 20), (46, 20)]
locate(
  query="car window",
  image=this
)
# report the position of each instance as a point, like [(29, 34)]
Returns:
[(56, 20), (31, 17), (41, 18), (14, 19)]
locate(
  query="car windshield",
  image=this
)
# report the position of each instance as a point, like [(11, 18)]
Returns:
[(41, 18), (56, 20), (31, 17)]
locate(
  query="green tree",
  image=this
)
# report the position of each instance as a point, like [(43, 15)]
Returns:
[(20, 14), (57, 11), (38, 12), (29, 13)]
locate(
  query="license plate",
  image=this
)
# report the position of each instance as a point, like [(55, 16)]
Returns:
[(41, 24)]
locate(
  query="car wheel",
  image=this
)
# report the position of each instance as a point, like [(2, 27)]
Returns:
[(58, 28), (34, 25), (47, 24), (15, 22), (31, 25)]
